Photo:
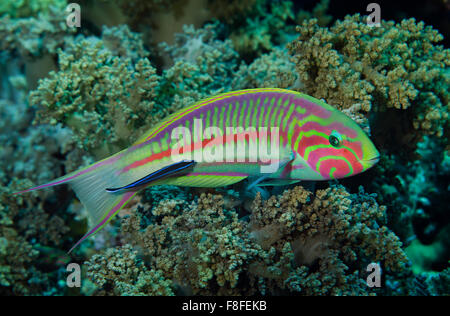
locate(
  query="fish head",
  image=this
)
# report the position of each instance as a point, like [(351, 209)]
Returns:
[(336, 147)]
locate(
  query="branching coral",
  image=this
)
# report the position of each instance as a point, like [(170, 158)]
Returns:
[(20, 265), (31, 44), (26, 8), (100, 93), (104, 92), (264, 28), (121, 272), (394, 66), (334, 229), (296, 242), (32, 226), (204, 66), (36, 222), (270, 70), (15, 252), (200, 246), (34, 37)]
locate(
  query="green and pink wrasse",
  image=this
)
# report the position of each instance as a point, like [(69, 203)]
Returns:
[(314, 142)]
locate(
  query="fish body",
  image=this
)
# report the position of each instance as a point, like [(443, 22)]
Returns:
[(274, 135)]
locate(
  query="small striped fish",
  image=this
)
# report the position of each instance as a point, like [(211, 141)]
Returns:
[(313, 141)]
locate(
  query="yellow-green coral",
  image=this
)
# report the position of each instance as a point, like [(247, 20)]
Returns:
[(396, 65), (264, 28), (123, 273), (203, 246), (270, 70), (27, 8), (203, 66), (104, 96), (16, 254), (198, 246), (106, 90), (33, 37), (330, 219)]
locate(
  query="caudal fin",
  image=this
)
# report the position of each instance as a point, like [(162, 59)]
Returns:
[(90, 185)]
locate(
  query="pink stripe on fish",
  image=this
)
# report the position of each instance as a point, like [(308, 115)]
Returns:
[(341, 168)]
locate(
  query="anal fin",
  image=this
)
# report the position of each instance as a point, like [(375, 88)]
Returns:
[(205, 179), (277, 182)]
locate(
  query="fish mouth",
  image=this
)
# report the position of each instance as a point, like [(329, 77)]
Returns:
[(373, 160), (368, 163)]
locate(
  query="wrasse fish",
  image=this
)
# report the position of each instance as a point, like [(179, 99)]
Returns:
[(311, 139)]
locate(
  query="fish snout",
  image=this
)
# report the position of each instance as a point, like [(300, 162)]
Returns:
[(370, 162)]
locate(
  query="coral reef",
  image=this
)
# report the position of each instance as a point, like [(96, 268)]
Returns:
[(100, 91), (27, 8), (194, 244), (376, 69), (328, 233), (121, 272), (34, 37), (264, 28), (296, 242), (30, 44), (203, 66), (33, 228), (108, 91), (274, 69), (70, 96), (22, 268)]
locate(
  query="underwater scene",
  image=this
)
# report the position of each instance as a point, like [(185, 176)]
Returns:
[(224, 148)]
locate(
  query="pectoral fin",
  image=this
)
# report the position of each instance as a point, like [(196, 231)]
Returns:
[(169, 170), (261, 180)]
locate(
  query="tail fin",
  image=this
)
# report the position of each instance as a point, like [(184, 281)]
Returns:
[(90, 185)]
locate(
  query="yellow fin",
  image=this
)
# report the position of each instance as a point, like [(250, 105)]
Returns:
[(277, 182), (203, 180)]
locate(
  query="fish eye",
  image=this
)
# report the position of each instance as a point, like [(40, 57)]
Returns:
[(335, 139)]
